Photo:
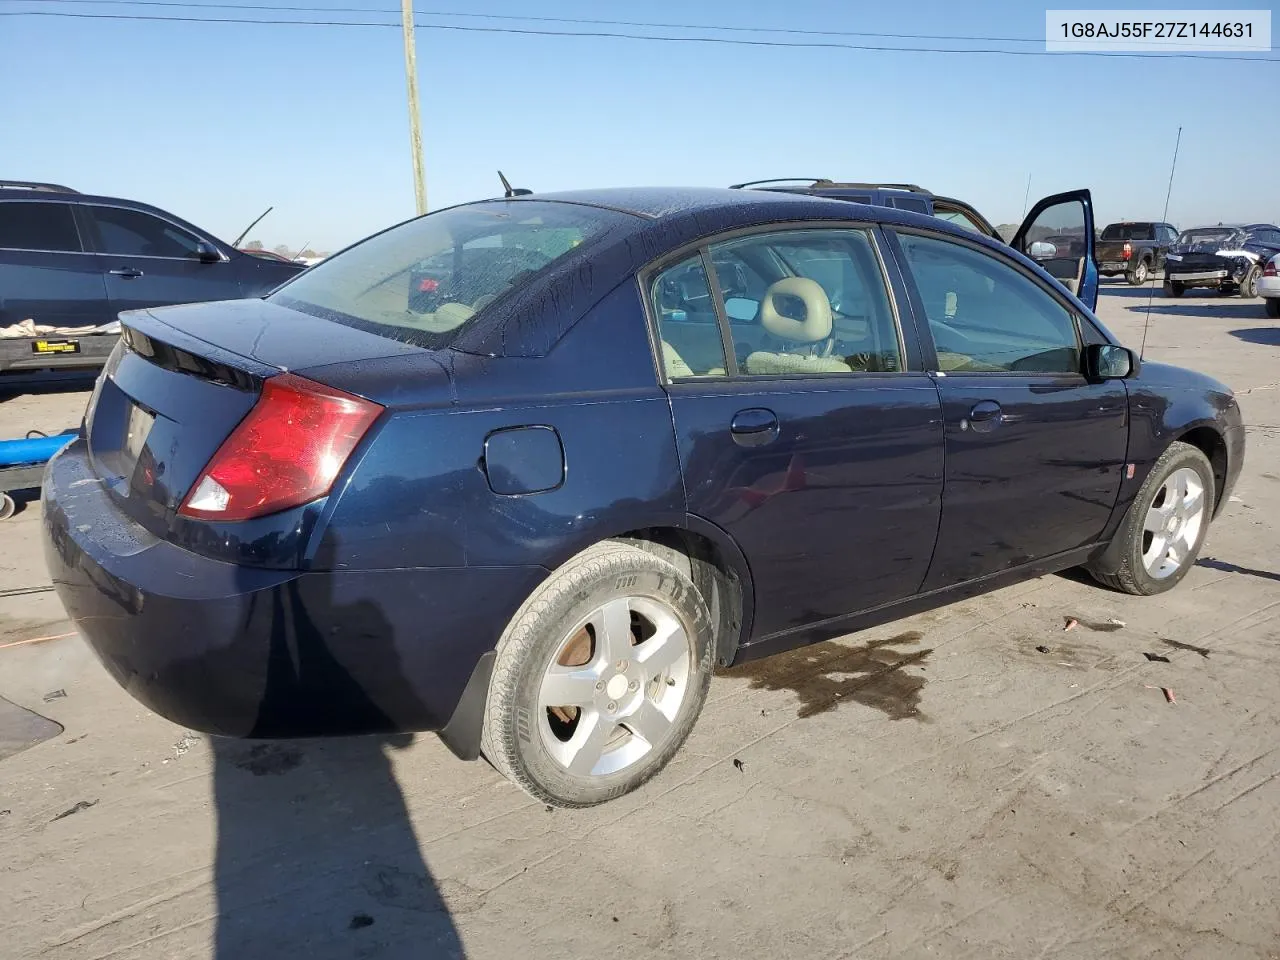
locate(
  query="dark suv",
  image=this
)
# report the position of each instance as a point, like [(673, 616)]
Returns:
[(1057, 233), (1135, 249), (71, 262)]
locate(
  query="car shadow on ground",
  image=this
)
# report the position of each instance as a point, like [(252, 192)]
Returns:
[(1123, 289), (1267, 336), (1228, 308), (316, 856), (79, 382)]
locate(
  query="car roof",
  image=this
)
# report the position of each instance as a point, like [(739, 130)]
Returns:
[(660, 221), (691, 206)]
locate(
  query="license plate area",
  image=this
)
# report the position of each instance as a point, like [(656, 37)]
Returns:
[(44, 348)]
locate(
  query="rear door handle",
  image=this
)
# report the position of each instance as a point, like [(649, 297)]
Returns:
[(754, 427), (985, 416), (129, 273)]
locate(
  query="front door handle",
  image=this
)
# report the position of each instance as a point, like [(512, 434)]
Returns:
[(985, 416), (129, 273), (754, 427)]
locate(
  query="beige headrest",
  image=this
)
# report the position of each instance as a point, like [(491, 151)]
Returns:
[(816, 324)]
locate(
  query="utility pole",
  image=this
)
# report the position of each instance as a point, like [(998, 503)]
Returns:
[(415, 127)]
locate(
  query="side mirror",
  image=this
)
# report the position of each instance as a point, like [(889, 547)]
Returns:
[(1042, 250), (206, 252), (1106, 361)]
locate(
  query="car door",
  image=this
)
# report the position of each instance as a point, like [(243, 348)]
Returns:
[(45, 273), (806, 427), (1068, 257), (1034, 451), (1168, 237), (150, 261)]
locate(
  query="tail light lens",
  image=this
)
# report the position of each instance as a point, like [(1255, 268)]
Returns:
[(1128, 250), (286, 452), (1270, 269)]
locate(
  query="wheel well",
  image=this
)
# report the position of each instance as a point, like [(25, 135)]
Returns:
[(1209, 442), (710, 572)]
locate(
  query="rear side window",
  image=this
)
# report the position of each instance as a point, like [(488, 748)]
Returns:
[(987, 317), (914, 204), (688, 328), (33, 225), (807, 302), (138, 234), (423, 281)]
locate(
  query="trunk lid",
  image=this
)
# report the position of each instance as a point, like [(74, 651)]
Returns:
[(180, 381)]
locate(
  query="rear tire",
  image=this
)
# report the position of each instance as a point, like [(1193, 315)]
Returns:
[(1273, 307), (1138, 275), (581, 709), (1177, 500), (1172, 288), (7, 506), (1249, 285)]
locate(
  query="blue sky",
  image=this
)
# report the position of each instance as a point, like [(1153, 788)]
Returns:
[(215, 122)]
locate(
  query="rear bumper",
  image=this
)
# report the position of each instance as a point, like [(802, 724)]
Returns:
[(55, 352), (241, 651), (1198, 276), (1269, 287)]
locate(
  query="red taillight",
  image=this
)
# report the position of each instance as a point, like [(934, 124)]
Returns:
[(1128, 250), (1270, 269), (287, 451)]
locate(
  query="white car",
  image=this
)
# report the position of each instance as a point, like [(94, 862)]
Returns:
[(1269, 287)]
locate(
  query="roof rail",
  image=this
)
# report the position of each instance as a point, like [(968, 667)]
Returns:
[(35, 185), (755, 183), (825, 183)]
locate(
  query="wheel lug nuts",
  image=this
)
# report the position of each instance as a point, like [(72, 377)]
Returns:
[(633, 685), (599, 685), (621, 666), (612, 706)]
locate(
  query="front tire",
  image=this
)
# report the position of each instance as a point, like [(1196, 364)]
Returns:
[(1138, 275), (1172, 288), (599, 677), (1161, 535)]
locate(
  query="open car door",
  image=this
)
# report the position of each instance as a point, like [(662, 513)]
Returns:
[(1058, 235)]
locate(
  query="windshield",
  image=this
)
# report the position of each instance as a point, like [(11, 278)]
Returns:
[(425, 280), (1206, 235), (1127, 231)]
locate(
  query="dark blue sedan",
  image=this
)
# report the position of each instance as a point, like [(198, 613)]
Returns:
[(523, 471)]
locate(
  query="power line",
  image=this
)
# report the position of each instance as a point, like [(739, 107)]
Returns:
[(618, 35), (733, 28)]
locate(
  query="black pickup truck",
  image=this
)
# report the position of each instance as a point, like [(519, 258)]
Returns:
[(70, 262), (1136, 249)]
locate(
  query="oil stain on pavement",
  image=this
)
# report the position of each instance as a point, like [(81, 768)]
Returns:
[(825, 675)]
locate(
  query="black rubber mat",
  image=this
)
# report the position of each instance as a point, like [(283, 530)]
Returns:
[(21, 728)]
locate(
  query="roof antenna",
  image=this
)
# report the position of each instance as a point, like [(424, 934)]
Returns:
[(509, 191), (1146, 323)]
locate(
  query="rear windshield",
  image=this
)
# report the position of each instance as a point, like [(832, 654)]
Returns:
[(1207, 235), (424, 281), (1128, 231)]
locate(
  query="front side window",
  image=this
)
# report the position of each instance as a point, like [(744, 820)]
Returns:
[(132, 233), (985, 316), (425, 280), (807, 302), (33, 225)]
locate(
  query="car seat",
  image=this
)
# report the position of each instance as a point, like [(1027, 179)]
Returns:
[(795, 295)]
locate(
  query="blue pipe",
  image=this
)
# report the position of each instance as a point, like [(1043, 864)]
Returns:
[(36, 450)]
